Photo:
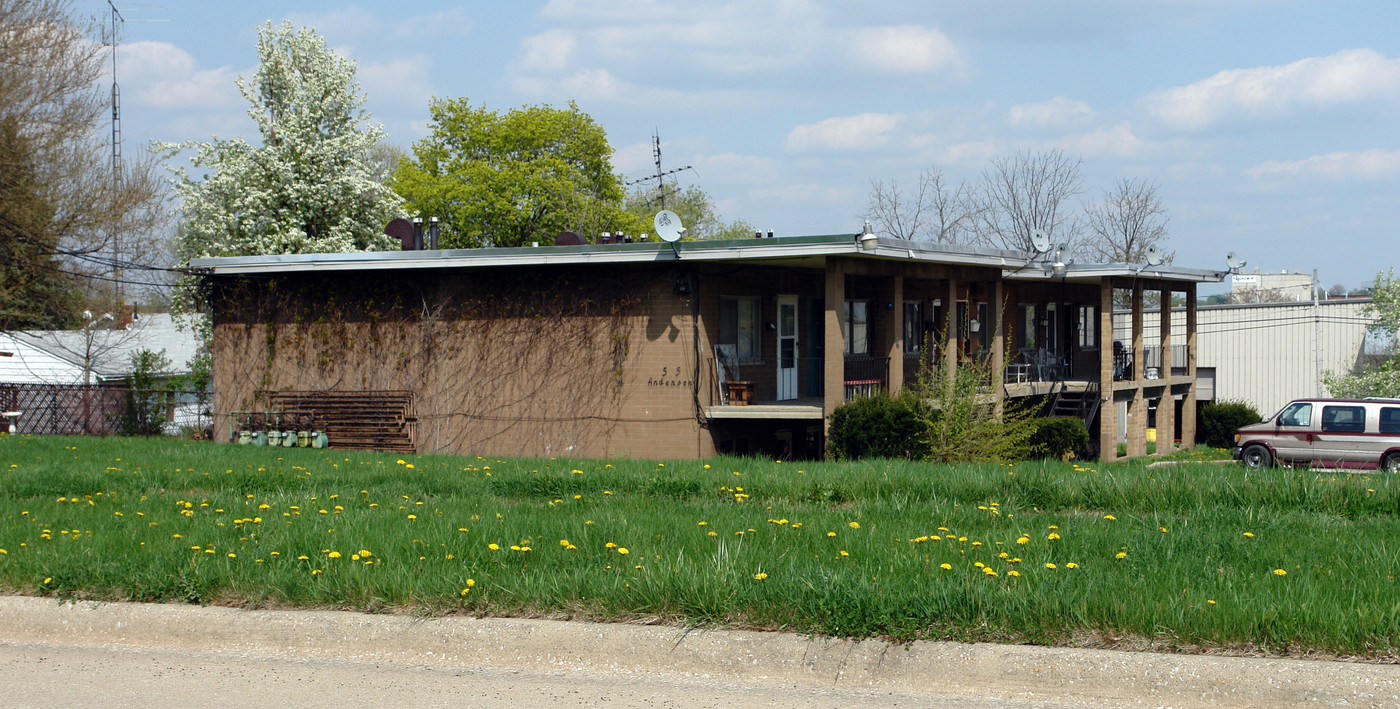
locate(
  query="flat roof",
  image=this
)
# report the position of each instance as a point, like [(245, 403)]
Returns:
[(1015, 265)]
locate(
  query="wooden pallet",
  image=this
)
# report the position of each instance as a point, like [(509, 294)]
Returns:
[(366, 420)]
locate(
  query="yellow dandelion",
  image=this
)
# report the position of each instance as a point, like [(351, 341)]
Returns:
[(854, 525), (493, 546), (760, 576), (1071, 565), (1013, 572), (946, 567), (622, 550), (1280, 572), (1120, 555), (1249, 535), (1210, 601), (1050, 566), (1109, 517), (334, 555)]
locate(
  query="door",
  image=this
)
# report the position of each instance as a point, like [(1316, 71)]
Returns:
[(787, 347), (1293, 433)]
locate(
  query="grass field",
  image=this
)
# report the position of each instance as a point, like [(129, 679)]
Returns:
[(1189, 557)]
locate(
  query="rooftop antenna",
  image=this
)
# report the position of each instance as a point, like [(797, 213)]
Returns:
[(660, 175)]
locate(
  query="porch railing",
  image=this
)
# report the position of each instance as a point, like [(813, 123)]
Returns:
[(758, 381)]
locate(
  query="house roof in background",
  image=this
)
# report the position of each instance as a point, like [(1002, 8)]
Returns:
[(56, 356)]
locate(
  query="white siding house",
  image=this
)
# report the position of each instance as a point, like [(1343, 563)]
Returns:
[(60, 356)]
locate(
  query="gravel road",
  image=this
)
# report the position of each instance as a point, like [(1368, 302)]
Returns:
[(55, 654)]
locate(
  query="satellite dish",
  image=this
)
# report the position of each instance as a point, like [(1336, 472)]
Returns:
[(1154, 255), (1040, 241), (1234, 261), (668, 226)]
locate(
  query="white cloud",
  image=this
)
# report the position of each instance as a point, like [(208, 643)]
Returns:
[(1059, 112), (904, 49), (866, 130), (400, 82), (355, 23), (549, 51), (1115, 141), (735, 167), (163, 75), (1367, 165), (592, 85), (1347, 77)]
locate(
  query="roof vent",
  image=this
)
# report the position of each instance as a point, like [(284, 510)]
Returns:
[(570, 238)]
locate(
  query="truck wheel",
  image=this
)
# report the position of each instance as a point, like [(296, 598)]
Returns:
[(1391, 464), (1256, 457)]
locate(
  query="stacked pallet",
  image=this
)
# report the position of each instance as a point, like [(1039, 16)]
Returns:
[(366, 420)]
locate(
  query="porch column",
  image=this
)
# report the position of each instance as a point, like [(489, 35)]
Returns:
[(997, 307), (950, 341), (1166, 406), (1137, 408), (833, 347), (1108, 407), (894, 339), (1188, 402)]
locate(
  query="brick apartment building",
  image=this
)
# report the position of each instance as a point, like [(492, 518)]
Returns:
[(684, 350)]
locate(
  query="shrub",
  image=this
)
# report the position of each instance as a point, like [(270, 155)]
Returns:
[(1219, 419), (145, 408), (1057, 435), (962, 420), (875, 427)]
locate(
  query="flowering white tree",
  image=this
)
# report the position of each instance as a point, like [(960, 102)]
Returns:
[(313, 185), (1380, 378)]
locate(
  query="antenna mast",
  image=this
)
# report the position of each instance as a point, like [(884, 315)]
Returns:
[(116, 151), (660, 175)]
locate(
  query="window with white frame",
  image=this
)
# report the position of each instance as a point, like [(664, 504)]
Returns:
[(739, 325)]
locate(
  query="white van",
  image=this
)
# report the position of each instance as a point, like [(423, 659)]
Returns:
[(1332, 433)]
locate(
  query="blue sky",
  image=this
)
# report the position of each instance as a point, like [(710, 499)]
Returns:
[(1269, 125)]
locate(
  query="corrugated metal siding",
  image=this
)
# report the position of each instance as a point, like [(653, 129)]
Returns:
[(1265, 354)]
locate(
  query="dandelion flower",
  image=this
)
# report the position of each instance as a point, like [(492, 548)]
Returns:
[(610, 545), (1280, 572), (989, 571), (1210, 601), (845, 553), (622, 550), (1071, 565), (1120, 555), (760, 576), (1110, 517), (1249, 534), (1053, 535), (1050, 566), (946, 567), (854, 525), (831, 534), (493, 546), (334, 555), (1013, 572)]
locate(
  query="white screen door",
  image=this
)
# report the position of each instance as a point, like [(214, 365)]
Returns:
[(787, 347)]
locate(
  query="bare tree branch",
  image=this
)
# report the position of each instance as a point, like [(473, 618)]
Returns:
[(1017, 195), (1125, 223), (934, 213)]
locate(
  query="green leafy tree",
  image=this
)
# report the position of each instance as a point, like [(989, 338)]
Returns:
[(1381, 378), (508, 179), (693, 205), (314, 185)]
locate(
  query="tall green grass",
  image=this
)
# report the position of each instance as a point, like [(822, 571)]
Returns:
[(1194, 555)]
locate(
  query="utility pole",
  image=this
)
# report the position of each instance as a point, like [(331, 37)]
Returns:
[(1317, 338)]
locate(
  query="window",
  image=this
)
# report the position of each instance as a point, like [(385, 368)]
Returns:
[(1086, 322), (739, 326), (1025, 326), (857, 327), (1296, 415), (1390, 420), (913, 326), (1343, 419), (1052, 327)]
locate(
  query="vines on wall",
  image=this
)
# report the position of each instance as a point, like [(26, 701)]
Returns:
[(505, 361)]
